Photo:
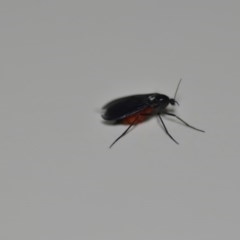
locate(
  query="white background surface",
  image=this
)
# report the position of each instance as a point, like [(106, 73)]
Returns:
[(60, 62)]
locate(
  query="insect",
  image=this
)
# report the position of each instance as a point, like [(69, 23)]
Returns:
[(134, 109)]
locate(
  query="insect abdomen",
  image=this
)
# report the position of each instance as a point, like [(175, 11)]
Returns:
[(138, 117)]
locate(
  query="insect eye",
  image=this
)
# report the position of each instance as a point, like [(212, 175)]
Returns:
[(173, 101)]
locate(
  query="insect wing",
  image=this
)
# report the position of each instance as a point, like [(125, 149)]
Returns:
[(123, 107)]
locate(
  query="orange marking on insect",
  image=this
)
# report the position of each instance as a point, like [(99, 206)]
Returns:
[(138, 117)]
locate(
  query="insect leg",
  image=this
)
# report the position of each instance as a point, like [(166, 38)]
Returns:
[(171, 114), (165, 128), (124, 133)]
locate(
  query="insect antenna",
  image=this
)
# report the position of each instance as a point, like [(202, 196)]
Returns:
[(177, 91)]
